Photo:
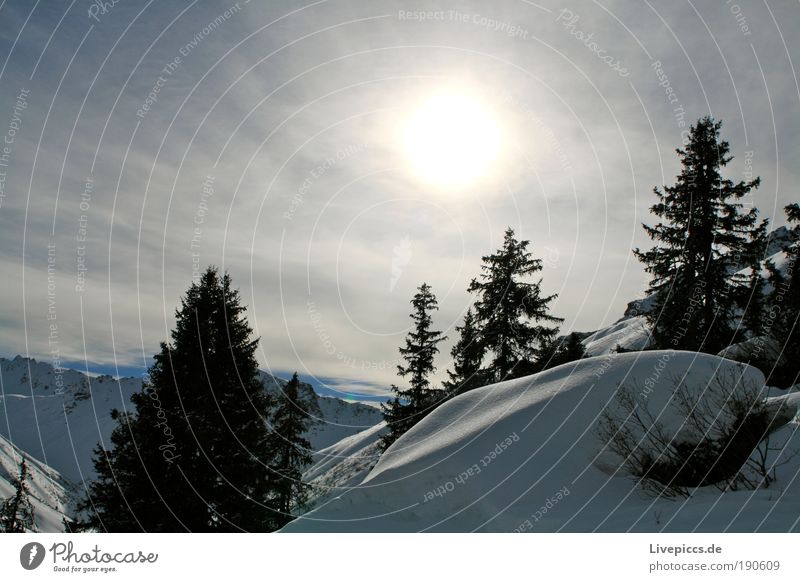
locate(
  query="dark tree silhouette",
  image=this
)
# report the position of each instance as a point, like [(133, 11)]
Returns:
[(193, 453), (421, 346), (704, 237), (511, 312), (16, 512), (468, 354), (290, 451)]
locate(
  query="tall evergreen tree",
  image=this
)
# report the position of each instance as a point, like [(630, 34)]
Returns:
[(704, 236), (560, 351), (468, 354), (291, 451), (752, 293), (511, 312), (784, 312), (193, 453), (421, 346), (16, 512)]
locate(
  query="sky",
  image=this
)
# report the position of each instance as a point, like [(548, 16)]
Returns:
[(143, 141)]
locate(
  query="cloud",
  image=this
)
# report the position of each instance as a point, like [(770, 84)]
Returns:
[(293, 115)]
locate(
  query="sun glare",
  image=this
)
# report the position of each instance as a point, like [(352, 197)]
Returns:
[(452, 140)]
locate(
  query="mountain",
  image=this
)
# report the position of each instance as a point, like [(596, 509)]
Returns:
[(51, 495), (524, 455), (332, 419), (58, 416)]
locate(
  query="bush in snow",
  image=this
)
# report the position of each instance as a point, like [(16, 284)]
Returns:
[(718, 436)]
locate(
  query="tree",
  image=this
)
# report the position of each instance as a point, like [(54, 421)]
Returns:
[(16, 512), (783, 315), (468, 354), (421, 346), (509, 310), (560, 351), (752, 299), (290, 451), (192, 454), (699, 246)]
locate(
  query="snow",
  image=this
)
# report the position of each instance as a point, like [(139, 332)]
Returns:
[(58, 417), (631, 333), (523, 455), (340, 420), (59, 424), (343, 465), (49, 493)]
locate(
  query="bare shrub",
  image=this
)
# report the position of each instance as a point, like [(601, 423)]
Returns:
[(698, 437)]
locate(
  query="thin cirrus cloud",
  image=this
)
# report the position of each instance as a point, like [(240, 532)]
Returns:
[(310, 201)]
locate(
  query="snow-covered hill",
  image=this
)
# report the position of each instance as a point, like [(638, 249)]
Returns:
[(50, 495), (524, 455), (58, 416)]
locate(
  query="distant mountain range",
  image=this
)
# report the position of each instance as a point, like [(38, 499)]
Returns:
[(55, 418)]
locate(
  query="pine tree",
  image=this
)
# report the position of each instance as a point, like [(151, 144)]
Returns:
[(754, 308), (468, 354), (560, 351), (784, 312), (290, 451), (752, 299), (193, 453), (704, 236), (509, 311), (410, 405), (16, 512)]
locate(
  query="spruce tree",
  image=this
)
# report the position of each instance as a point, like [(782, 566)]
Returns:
[(290, 451), (16, 512), (193, 453), (699, 246), (410, 405), (468, 354), (511, 312), (784, 312), (560, 351)]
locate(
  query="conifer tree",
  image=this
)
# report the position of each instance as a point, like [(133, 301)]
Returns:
[(560, 351), (784, 312), (468, 354), (421, 346), (290, 451), (704, 236), (193, 453), (16, 512), (511, 312)]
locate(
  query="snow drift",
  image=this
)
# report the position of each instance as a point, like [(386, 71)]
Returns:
[(524, 455)]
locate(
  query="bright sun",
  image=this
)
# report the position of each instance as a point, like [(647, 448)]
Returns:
[(452, 140)]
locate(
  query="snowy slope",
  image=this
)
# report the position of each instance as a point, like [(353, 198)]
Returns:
[(59, 417), (62, 428), (50, 494), (341, 420), (523, 455), (632, 334), (332, 419), (343, 465)]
